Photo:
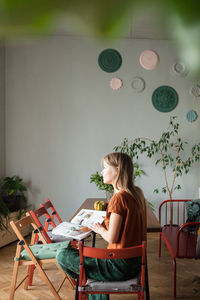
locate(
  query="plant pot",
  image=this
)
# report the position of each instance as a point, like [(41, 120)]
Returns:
[(108, 195), (8, 236), (14, 203)]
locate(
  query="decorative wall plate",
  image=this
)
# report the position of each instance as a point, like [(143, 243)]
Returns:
[(109, 60), (148, 59), (195, 90), (116, 83), (138, 84), (165, 98), (191, 116), (179, 68)]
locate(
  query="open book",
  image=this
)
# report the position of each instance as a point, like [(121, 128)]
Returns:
[(78, 228)]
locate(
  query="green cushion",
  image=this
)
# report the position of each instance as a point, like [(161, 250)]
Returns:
[(193, 210), (44, 251), (193, 213)]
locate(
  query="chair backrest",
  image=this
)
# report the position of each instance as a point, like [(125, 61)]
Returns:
[(101, 253), (48, 205), (41, 212), (19, 226), (173, 210), (122, 253)]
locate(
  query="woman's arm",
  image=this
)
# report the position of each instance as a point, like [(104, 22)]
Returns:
[(112, 234)]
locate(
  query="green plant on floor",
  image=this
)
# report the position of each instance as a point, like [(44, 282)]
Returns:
[(12, 199), (168, 150), (4, 215)]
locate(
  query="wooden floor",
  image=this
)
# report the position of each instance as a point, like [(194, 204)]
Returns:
[(160, 277)]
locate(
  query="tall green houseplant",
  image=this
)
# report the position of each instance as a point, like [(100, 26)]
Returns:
[(168, 150)]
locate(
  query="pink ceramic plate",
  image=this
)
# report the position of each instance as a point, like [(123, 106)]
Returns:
[(115, 83), (148, 59)]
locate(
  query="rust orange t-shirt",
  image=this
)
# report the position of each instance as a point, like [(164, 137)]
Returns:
[(133, 229)]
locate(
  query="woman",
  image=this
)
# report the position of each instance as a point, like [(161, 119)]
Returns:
[(125, 226)]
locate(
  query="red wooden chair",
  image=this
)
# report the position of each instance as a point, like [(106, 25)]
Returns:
[(179, 237), (133, 286), (48, 205), (37, 214)]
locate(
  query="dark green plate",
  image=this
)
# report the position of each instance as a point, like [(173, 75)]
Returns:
[(165, 98), (110, 60)]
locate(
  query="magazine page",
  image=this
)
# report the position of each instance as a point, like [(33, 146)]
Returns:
[(78, 228), (70, 230), (87, 217)]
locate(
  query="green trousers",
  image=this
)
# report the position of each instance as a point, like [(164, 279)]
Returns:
[(98, 269)]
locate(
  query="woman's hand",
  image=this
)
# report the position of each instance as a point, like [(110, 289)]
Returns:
[(112, 234), (97, 227)]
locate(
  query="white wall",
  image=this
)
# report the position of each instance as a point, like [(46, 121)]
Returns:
[(2, 110), (62, 116)]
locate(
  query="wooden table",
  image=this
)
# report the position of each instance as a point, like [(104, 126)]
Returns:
[(152, 222)]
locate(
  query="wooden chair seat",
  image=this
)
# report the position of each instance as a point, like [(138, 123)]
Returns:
[(130, 285), (44, 251)]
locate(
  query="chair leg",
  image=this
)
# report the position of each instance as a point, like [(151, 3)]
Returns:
[(29, 279), (48, 282), (70, 281), (76, 292), (160, 244), (147, 281), (14, 279), (174, 279), (31, 273)]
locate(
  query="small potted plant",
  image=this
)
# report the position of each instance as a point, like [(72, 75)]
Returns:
[(12, 193), (108, 188), (13, 204)]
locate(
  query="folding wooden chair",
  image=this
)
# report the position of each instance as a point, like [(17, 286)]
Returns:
[(48, 205), (37, 214), (133, 286), (38, 255)]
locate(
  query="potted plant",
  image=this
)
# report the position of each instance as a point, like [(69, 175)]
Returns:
[(108, 188), (12, 193), (98, 180), (168, 150), (13, 204)]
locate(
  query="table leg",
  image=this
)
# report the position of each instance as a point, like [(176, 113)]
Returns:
[(147, 281), (93, 239)]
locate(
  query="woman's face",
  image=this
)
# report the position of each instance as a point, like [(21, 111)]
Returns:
[(109, 173)]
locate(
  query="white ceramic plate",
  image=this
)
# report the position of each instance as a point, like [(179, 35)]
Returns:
[(138, 84), (179, 68), (116, 83), (195, 90), (148, 59)]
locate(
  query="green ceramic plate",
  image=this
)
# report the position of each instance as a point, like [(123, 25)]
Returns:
[(191, 116), (110, 60), (165, 98)]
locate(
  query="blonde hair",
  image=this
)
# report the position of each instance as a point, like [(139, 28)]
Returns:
[(125, 176)]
